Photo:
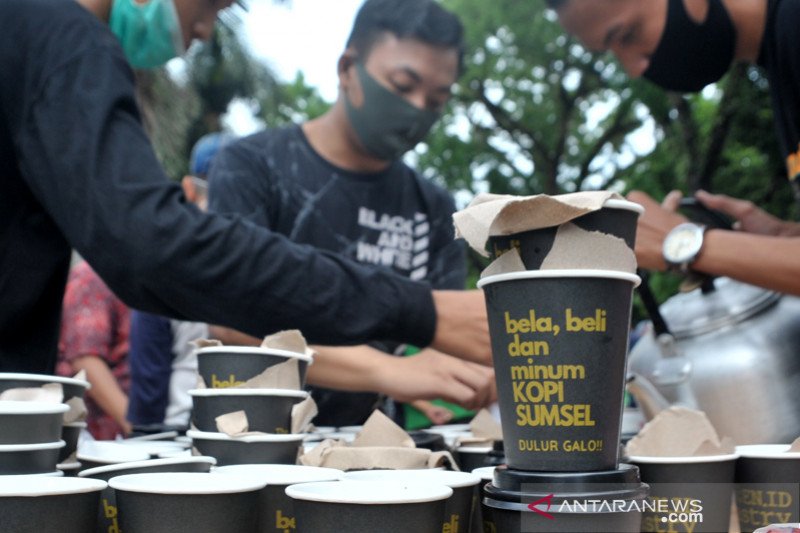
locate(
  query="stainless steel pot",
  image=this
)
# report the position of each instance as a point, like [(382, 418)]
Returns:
[(732, 351)]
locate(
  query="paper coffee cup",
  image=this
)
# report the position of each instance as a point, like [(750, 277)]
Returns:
[(559, 344), (231, 366), (609, 501), (617, 218), (688, 493), (367, 507), (767, 486)]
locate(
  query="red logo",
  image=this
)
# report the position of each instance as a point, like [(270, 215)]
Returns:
[(549, 500)]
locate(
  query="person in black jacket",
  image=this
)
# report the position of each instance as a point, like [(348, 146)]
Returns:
[(77, 171), (684, 45)]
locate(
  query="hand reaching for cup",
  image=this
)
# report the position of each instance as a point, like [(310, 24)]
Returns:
[(653, 226), (749, 217)]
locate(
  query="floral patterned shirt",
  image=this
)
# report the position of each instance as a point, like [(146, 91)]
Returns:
[(95, 323)]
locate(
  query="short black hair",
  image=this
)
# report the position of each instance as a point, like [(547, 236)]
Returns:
[(555, 4), (423, 20)]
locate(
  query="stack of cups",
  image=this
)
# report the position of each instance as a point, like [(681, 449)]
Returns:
[(71, 388), (559, 345), (225, 369)]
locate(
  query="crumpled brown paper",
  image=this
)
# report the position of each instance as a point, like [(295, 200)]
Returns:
[(381, 444), (492, 214), (679, 432), (290, 340), (235, 424), (485, 431)]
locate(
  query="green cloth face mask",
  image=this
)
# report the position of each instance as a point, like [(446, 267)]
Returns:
[(386, 124), (150, 33)]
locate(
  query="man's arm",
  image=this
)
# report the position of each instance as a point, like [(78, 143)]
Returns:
[(113, 203), (766, 261), (105, 390), (427, 375)]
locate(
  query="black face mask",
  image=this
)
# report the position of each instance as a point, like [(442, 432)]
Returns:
[(691, 55), (386, 124)]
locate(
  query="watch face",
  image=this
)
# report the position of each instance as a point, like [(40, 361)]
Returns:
[(683, 243)]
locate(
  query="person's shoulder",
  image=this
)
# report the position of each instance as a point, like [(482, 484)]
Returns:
[(41, 28)]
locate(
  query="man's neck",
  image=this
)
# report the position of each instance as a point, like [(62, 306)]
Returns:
[(100, 8), (333, 139), (750, 18)]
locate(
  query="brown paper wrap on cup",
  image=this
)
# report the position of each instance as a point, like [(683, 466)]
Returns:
[(381, 444)]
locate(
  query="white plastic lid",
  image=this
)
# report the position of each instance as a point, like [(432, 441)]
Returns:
[(185, 483), (368, 492), (283, 474)]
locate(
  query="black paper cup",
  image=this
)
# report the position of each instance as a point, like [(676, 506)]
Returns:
[(107, 514), (31, 422), (609, 501), (72, 387), (94, 454), (70, 433), (276, 509), (230, 366), (559, 344), (186, 503), (688, 493), (48, 504), (617, 218), (248, 449), (367, 507), (37, 458), (458, 509), (767, 486), (471, 457), (481, 513), (267, 410)]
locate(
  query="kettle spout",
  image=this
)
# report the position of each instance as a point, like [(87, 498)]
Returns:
[(647, 396)]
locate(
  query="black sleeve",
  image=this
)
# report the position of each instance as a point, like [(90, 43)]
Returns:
[(85, 157)]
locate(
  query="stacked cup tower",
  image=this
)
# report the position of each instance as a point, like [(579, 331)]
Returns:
[(559, 346)]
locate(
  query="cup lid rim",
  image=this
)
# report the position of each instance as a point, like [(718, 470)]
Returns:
[(561, 273), (148, 462), (282, 474), (691, 459), (18, 407), (185, 483), (47, 378), (48, 486), (266, 437), (368, 493), (454, 480), (249, 392), (259, 350), (486, 473), (767, 451), (615, 203), (36, 446)]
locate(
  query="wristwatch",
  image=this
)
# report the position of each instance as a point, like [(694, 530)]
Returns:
[(682, 245)]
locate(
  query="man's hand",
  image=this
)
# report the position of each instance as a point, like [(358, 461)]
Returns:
[(462, 328), (431, 374), (653, 226), (749, 217)]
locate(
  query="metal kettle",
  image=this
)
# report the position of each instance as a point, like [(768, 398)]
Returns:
[(729, 349)]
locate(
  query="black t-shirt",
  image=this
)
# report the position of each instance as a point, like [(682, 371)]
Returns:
[(395, 219), (76, 170), (780, 57)]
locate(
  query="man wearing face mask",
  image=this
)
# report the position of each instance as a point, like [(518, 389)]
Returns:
[(77, 171), (337, 183), (683, 45)]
